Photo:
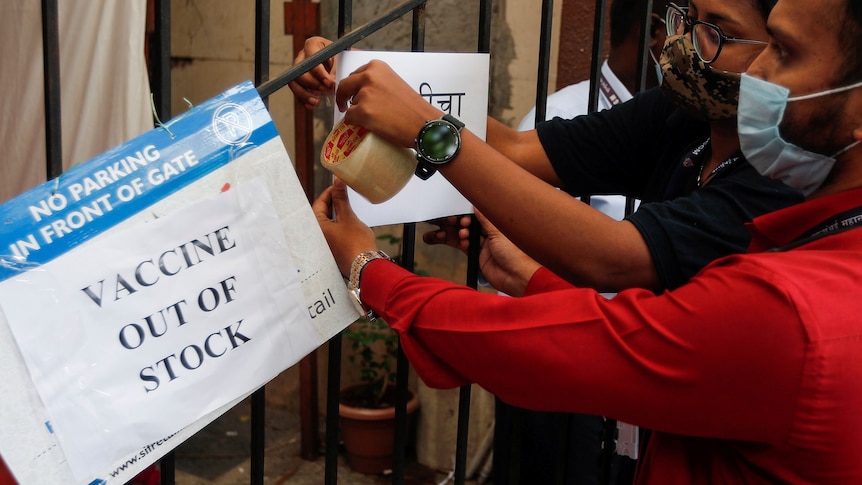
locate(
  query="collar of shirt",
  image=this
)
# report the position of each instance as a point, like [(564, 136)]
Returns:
[(782, 227), (616, 86)]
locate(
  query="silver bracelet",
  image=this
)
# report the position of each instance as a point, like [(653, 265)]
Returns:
[(356, 268)]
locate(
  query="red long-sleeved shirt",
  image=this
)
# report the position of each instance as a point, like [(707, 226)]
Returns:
[(751, 373)]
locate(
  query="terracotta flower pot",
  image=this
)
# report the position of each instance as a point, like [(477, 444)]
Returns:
[(369, 434)]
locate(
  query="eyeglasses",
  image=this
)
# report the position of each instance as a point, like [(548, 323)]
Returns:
[(706, 37)]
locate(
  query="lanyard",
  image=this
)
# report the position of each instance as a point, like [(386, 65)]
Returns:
[(845, 221), (684, 179), (608, 91), (721, 166)]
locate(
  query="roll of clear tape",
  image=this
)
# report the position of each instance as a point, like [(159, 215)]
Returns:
[(370, 165)]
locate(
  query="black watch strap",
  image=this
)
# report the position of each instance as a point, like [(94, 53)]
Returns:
[(425, 170)]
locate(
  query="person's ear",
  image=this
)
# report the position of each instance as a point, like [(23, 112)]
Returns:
[(657, 31)]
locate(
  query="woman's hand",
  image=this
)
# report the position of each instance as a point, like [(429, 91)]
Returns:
[(346, 234), (319, 81)]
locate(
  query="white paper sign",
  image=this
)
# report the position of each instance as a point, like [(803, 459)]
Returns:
[(455, 83), (152, 288)]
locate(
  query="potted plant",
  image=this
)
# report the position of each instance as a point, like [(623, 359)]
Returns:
[(367, 409)]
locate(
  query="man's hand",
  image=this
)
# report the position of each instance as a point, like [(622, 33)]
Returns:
[(376, 98), (346, 234), (507, 268), (452, 231), (319, 81)]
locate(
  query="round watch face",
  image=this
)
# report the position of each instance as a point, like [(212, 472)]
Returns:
[(438, 142)]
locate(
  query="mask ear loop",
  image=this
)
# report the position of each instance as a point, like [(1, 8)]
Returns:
[(846, 149), (825, 93)]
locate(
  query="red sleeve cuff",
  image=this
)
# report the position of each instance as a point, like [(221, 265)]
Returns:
[(543, 281)]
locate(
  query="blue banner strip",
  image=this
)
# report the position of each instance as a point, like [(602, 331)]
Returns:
[(91, 198)]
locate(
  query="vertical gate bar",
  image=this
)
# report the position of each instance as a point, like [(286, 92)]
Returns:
[(464, 393), (160, 86), (609, 425), (643, 62), (51, 76), (333, 384), (485, 11), (160, 59), (258, 397), (167, 469), (345, 16), (258, 423), (543, 75), (408, 254), (261, 44), (645, 7), (598, 53), (333, 391), (408, 258)]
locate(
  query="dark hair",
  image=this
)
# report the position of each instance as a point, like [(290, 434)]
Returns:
[(625, 15), (850, 33), (765, 6)]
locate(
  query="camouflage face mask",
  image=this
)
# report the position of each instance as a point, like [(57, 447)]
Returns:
[(706, 93)]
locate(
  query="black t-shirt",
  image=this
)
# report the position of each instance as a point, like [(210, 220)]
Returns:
[(643, 149)]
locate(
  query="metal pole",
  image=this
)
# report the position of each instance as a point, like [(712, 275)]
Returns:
[(258, 398), (51, 74), (343, 43), (598, 53), (544, 60)]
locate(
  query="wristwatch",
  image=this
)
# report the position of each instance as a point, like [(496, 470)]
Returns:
[(437, 144), (356, 268)]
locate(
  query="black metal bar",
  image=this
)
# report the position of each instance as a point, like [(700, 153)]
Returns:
[(464, 393), (160, 59), (598, 53), (333, 371), (261, 42), (167, 469), (160, 84), (333, 391), (408, 262), (408, 248), (258, 432), (485, 12), (343, 43), (258, 398), (643, 44), (609, 426), (51, 74), (345, 17), (544, 60)]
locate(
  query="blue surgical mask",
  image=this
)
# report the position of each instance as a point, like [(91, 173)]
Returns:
[(657, 67), (760, 112)]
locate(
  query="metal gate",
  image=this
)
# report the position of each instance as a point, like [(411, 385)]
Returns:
[(160, 81)]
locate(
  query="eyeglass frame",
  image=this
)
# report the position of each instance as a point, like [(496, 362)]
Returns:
[(689, 27)]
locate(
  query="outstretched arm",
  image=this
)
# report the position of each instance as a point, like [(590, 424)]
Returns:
[(572, 239)]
